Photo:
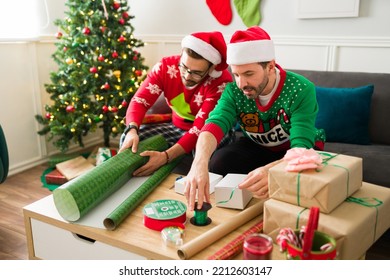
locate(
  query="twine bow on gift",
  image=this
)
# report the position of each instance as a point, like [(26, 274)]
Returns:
[(367, 202)]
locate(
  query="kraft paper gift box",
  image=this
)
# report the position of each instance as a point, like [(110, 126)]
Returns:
[(325, 188), (214, 179), (354, 225), (228, 195)]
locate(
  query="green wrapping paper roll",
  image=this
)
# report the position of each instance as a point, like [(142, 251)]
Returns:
[(112, 221), (77, 197)]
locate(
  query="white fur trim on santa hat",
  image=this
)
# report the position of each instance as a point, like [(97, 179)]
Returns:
[(250, 52), (201, 47)]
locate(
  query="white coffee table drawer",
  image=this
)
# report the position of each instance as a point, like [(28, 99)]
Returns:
[(53, 243)]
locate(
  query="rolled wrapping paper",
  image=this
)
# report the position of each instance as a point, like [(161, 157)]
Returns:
[(132, 201), (234, 247), (202, 241), (77, 197)]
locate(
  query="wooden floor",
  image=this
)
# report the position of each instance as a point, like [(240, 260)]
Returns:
[(24, 188)]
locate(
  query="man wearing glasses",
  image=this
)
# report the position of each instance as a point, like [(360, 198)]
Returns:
[(191, 83)]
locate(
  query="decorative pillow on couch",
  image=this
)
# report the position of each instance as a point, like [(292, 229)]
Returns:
[(344, 113)]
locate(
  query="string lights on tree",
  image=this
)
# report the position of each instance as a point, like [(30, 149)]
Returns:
[(99, 69)]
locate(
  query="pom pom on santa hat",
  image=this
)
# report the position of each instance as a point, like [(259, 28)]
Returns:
[(250, 46), (211, 46)]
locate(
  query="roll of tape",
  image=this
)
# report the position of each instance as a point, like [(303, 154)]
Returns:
[(164, 213)]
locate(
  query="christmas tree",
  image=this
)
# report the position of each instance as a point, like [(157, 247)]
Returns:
[(99, 70)]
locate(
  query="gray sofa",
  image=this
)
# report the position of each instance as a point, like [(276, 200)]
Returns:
[(376, 155)]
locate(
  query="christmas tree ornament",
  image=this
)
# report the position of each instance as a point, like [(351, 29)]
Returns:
[(117, 73), (221, 10), (48, 116), (101, 58), (114, 129), (116, 5), (124, 103), (105, 109), (249, 11), (106, 86), (93, 69), (69, 61), (121, 39), (135, 57), (121, 21), (58, 35), (114, 109), (70, 108), (103, 29), (138, 73), (86, 30), (115, 54), (65, 49), (125, 15)]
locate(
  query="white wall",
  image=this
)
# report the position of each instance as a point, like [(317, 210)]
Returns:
[(335, 44)]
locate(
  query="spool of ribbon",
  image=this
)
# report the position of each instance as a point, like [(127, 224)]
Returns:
[(200, 215), (164, 213)]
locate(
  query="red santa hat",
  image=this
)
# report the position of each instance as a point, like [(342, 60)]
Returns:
[(250, 46), (211, 46)]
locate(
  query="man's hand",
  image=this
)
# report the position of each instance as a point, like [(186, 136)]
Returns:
[(131, 140), (197, 186), (257, 180), (156, 160)]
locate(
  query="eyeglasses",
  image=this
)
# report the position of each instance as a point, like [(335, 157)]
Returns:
[(197, 75)]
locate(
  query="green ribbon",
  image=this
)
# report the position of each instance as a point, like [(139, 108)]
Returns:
[(231, 196), (299, 217), (368, 202)]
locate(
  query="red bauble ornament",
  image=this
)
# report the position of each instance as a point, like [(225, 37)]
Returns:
[(121, 21), (101, 58), (64, 49), (86, 30), (138, 72), (58, 35), (135, 57), (121, 39), (103, 28), (70, 108), (106, 86), (93, 69), (124, 103), (114, 54), (105, 109), (125, 15), (48, 116), (116, 5), (114, 109)]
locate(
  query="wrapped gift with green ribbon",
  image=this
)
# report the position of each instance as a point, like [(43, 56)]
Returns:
[(339, 177), (77, 197), (355, 224)]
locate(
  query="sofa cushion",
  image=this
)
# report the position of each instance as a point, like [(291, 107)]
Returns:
[(344, 113)]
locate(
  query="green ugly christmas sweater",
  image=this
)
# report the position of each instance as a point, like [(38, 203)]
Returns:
[(286, 121)]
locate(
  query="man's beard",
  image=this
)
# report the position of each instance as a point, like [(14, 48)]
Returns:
[(258, 90), (189, 84)]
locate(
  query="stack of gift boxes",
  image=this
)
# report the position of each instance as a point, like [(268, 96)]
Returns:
[(355, 213), (68, 167)]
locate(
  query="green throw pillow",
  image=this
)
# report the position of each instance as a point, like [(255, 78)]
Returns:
[(344, 113)]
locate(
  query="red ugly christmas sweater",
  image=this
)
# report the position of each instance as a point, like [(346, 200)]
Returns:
[(190, 107)]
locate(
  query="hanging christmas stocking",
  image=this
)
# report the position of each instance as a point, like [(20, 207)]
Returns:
[(221, 9), (249, 11)]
